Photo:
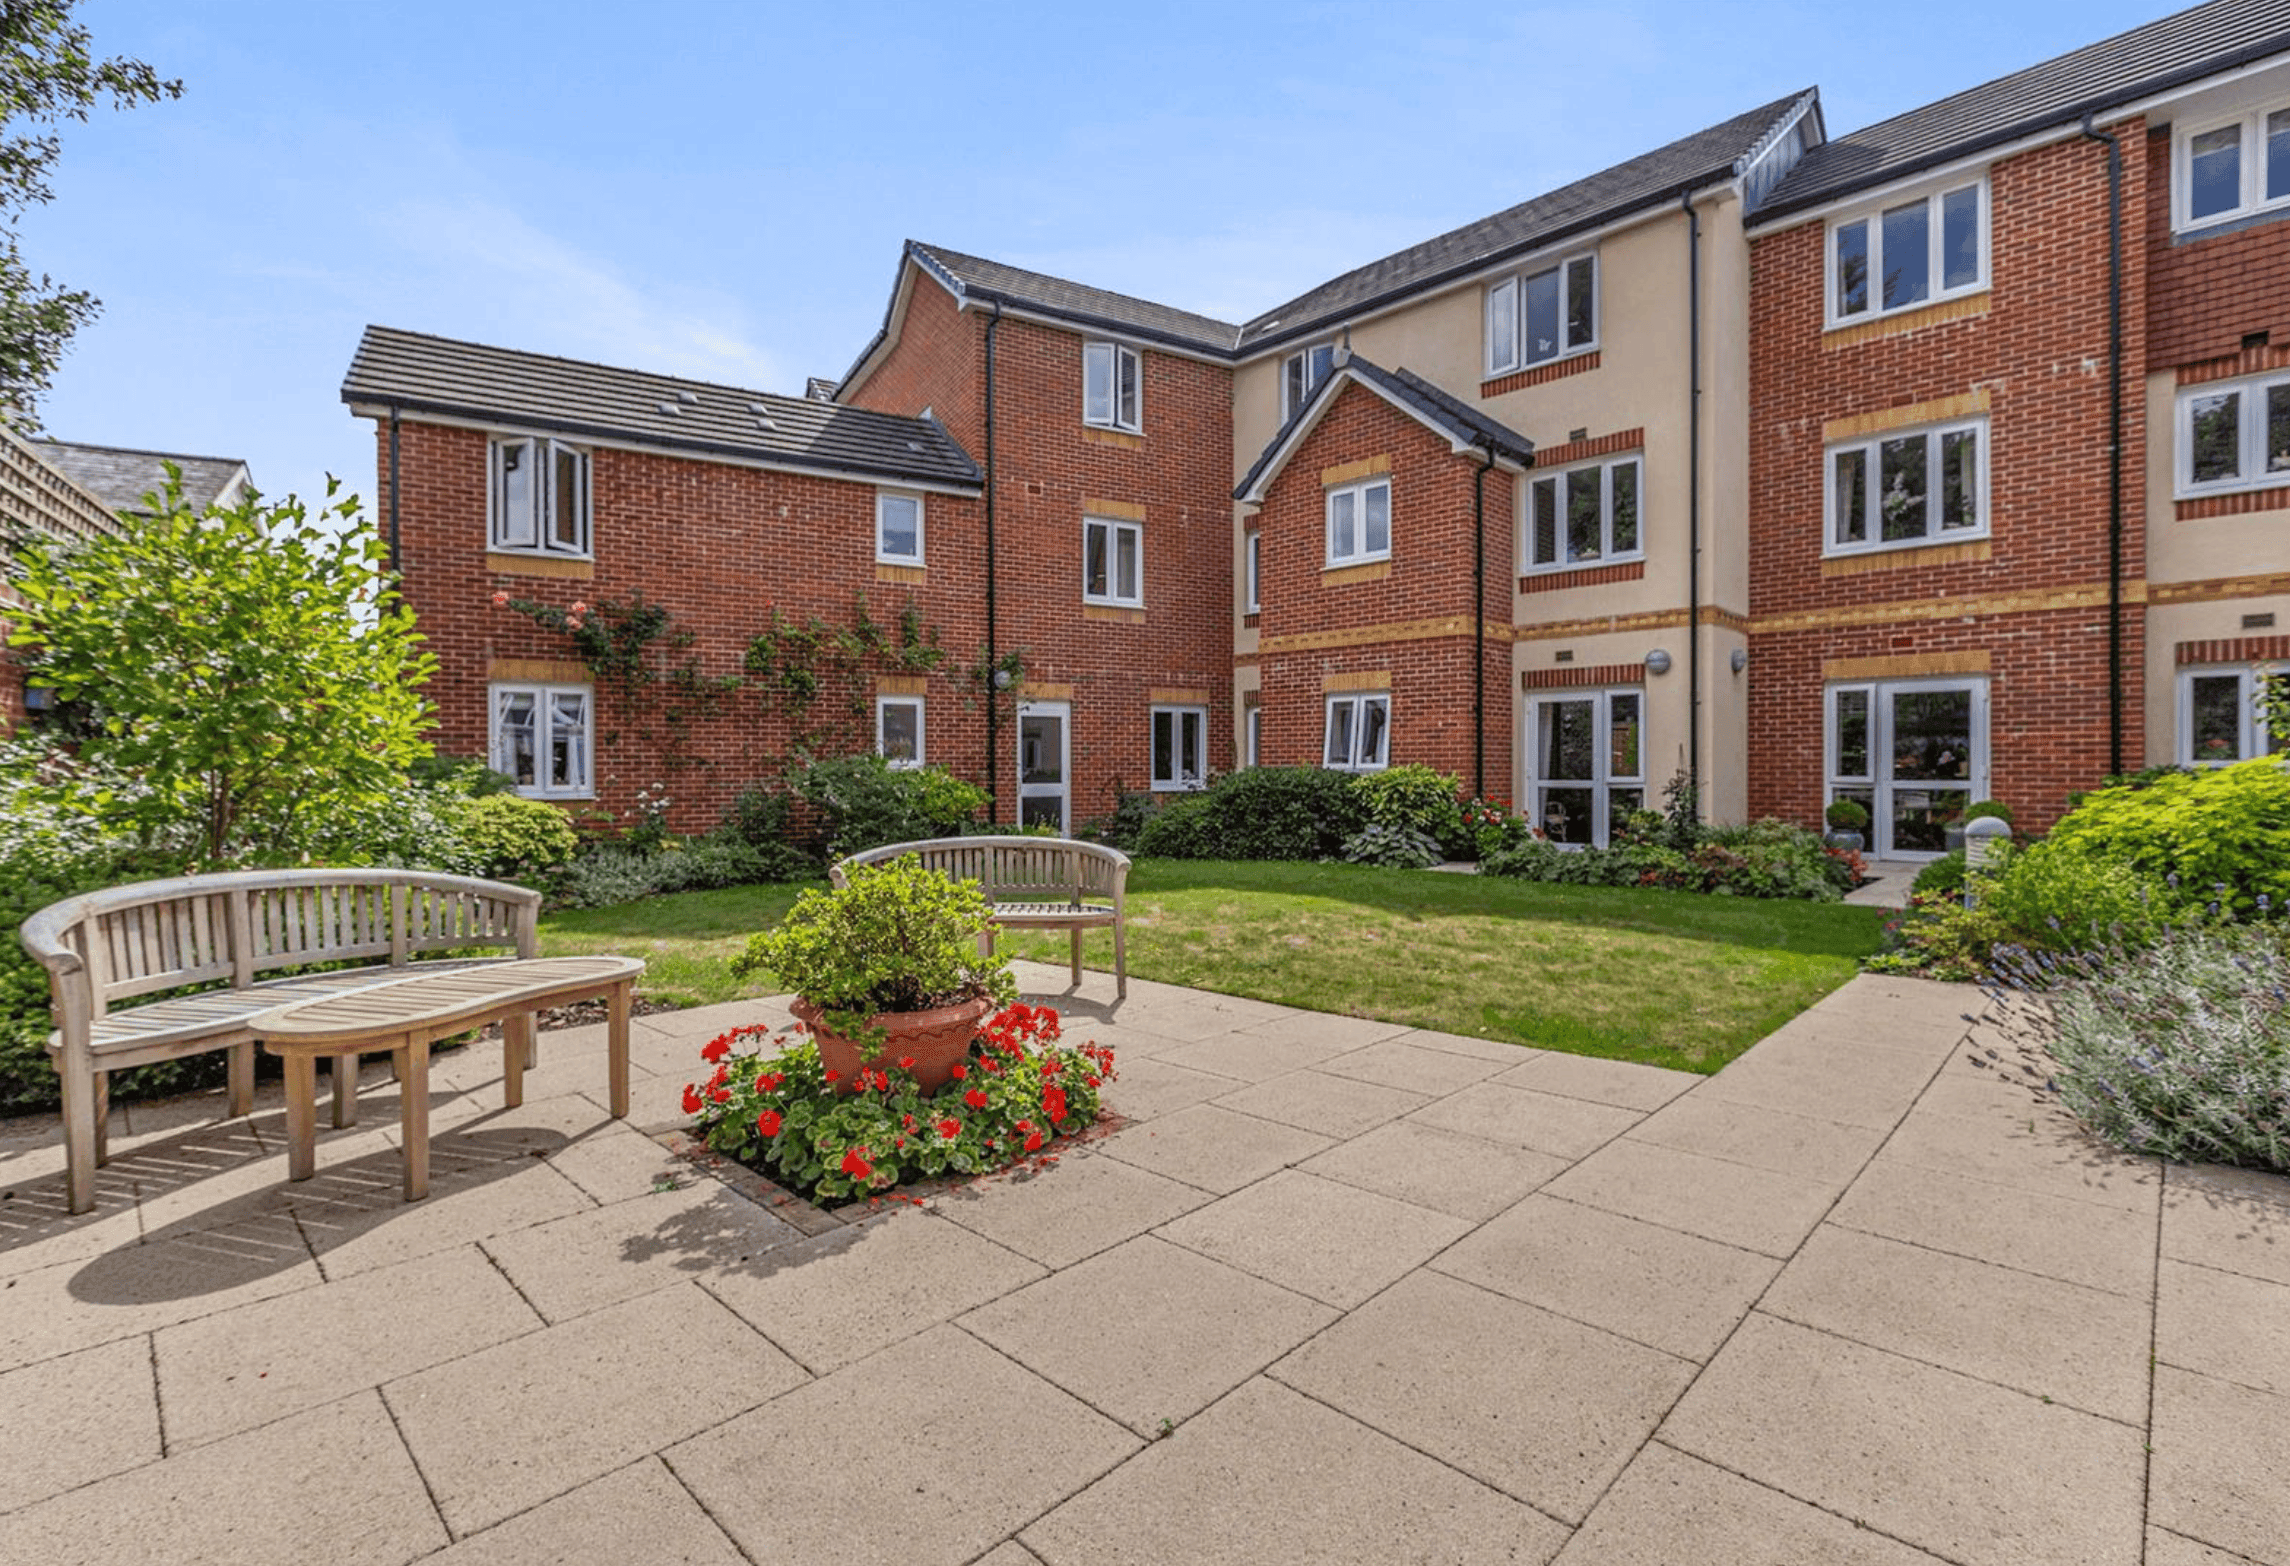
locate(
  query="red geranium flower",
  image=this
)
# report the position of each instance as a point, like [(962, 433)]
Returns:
[(975, 1098), (906, 1063), (834, 1076), (855, 1164), (1053, 1103), (722, 1095), (959, 1072), (691, 1099), (717, 1049), (770, 1080), (1033, 1141), (768, 1122), (950, 1128)]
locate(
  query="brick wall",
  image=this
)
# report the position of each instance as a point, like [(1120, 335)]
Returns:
[(935, 364), (2034, 349), (2205, 294)]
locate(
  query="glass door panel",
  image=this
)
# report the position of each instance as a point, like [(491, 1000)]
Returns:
[(1042, 757)]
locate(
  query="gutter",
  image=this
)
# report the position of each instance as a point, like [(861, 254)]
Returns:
[(993, 649), (1693, 499), (2114, 148)]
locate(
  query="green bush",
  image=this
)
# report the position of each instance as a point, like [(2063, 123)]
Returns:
[(2061, 895), (863, 802), (1761, 859), (1258, 813), (1943, 877), (614, 873), (1980, 809), (1131, 812), (759, 817), (1847, 815), (1394, 847), (1417, 797), (2218, 835), (460, 775), (516, 839)]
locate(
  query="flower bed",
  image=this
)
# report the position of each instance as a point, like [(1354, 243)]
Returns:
[(777, 1110)]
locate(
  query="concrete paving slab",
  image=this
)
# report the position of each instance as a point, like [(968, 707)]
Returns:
[(248, 1501), (2059, 1341), (1214, 1149), (2165, 1548), (636, 1514), (1191, 1330), (139, 1289), (1318, 1028), (601, 1256), (1968, 1471), (1254, 1056), (2224, 1325), (1818, 1150), (1444, 1170), (1669, 1509), (1501, 1052), (1333, 1106), (1147, 1089), (1333, 1242), (1676, 1292), (1622, 1083), (926, 1454), (76, 1419), (1270, 1478), (246, 1367), (501, 1430), (36, 1230), (1550, 1123), (2045, 1160), (1817, 1095), (1412, 1066), (1733, 1204), (1009, 1553), (485, 1184), (843, 1295), (2221, 1452), (1059, 1215), (2235, 1220), (2096, 1245), (1548, 1411)]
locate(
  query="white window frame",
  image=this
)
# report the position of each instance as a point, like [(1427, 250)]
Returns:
[(1307, 368), (1508, 350), (1179, 718), (2251, 123), (883, 555), (1252, 736), (883, 704), (1604, 780), (1356, 705), (1108, 359), (1872, 449), (1113, 597), (2251, 736), (1935, 260), (2250, 436), (1560, 479), (1878, 782), (1361, 554), (1253, 550), (545, 698), (501, 533)]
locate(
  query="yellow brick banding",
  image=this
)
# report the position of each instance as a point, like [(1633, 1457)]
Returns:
[(1110, 614), (2212, 589), (555, 671), (1901, 666), (1121, 438), (901, 684), (909, 576), (1047, 690), (539, 565), (1345, 473), (1961, 406), (1177, 695), (1906, 321), (1122, 510), (1377, 680), (1347, 575), (1901, 559)]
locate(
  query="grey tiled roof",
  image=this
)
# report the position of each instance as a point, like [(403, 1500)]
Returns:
[(120, 476), (2178, 49), (1644, 181), (1077, 302), (423, 374), (1458, 420)]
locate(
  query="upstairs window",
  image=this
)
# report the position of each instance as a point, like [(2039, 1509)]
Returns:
[(1909, 487), (537, 493), (1111, 376), (898, 528), (1542, 315), (1359, 523), (1300, 372), (1929, 248), (1112, 562), (1359, 733), (542, 738), (2234, 435), (1583, 516), (2223, 172), (1255, 572)]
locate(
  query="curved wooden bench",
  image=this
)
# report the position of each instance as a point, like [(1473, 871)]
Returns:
[(1052, 883), (223, 932)]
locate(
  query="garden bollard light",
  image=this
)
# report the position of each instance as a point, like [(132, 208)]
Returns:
[(1980, 842)]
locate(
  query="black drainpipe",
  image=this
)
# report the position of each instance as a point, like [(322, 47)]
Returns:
[(2114, 442), (397, 562), (993, 648), (1479, 626), (1693, 499)]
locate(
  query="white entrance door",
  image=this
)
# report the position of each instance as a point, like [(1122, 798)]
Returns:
[(1915, 753), (1044, 795)]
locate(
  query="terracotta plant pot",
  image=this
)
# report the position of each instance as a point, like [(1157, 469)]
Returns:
[(938, 1040)]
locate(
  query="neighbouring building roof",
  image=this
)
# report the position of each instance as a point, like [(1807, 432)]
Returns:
[(1720, 152), (975, 278), (2162, 55), (121, 476), (1465, 427), (436, 375)]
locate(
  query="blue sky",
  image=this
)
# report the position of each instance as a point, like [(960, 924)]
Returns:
[(719, 190)]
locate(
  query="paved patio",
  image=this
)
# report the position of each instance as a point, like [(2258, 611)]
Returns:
[(1339, 1291)]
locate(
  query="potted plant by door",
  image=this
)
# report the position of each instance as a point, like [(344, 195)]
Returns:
[(1848, 819), (887, 970)]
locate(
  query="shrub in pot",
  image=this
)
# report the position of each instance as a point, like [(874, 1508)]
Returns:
[(1848, 819), (888, 968)]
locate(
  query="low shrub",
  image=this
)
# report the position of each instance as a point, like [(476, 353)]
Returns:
[(1258, 813), (614, 873), (1417, 797), (2220, 835), (515, 839), (1133, 808), (759, 817), (1981, 809), (1394, 847), (1761, 859), (863, 802), (1847, 815), (1943, 877)]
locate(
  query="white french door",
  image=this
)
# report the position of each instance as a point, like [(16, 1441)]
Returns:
[(1044, 762), (1914, 753), (1587, 761)]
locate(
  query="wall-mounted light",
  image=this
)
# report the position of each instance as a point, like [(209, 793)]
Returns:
[(1740, 659), (1001, 679), (1658, 662)]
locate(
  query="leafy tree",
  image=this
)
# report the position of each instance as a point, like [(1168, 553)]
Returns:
[(250, 676), (47, 75)]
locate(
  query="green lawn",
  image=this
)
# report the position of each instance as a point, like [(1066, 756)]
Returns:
[(1667, 978)]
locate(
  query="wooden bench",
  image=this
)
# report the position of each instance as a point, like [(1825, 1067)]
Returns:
[(217, 935), (1036, 883), (406, 1015)]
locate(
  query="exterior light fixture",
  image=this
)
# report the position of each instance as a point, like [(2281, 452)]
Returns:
[(1740, 659), (1658, 662)]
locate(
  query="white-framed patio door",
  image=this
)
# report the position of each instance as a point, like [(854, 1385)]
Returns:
[(1914, 753), (1045, 753)]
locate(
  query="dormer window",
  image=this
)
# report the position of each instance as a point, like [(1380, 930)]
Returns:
[(1302, 371), (1544, 314), (1111, 382), (537, 496), (1914, 252)]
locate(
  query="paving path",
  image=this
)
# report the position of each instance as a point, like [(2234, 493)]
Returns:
[(1341, 1291)]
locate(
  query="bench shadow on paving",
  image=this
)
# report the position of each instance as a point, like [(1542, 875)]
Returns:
[(1333, 1289)]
